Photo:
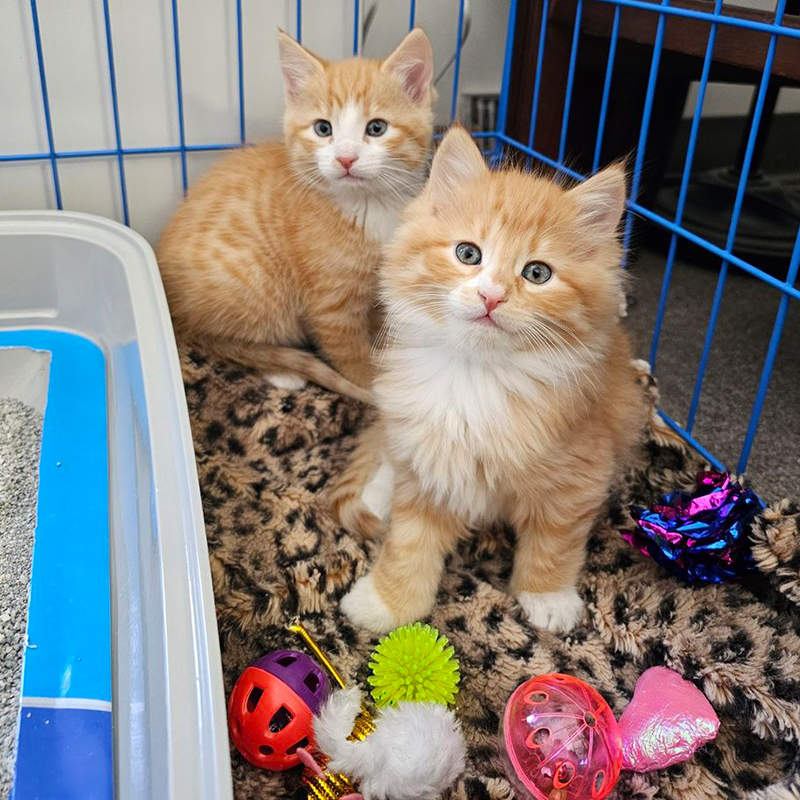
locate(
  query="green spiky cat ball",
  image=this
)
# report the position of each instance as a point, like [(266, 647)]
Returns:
[(414, 663)]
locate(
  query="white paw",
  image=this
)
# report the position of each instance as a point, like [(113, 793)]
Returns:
[(378, 493), (365, 608), (284, 380), (553, 611)]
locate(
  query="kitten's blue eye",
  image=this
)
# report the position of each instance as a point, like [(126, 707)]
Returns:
[(468, 253), (323, 128), (537, 272), (377, 127)]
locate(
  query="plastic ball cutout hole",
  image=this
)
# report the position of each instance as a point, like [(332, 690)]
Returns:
[(537, 698), (598, 783), (538, 738), (565, 772)]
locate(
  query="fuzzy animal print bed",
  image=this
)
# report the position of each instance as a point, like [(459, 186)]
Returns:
[(265, 456)]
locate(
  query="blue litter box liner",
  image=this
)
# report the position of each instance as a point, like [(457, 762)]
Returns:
[(65, 741)]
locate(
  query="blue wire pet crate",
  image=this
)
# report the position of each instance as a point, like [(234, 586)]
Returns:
[(711, 12), (779, 28)]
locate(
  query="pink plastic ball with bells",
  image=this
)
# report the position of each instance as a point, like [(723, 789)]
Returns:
[(560, 741)]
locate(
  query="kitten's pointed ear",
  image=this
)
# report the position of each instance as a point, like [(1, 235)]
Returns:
[(457, 161), (601, 200), (297, 64), (412, 64)]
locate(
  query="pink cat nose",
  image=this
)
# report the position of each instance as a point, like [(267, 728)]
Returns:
[(347, 161), (491, 301)]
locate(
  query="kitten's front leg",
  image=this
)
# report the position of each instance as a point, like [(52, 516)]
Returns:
[(551, 549), (402, 585)]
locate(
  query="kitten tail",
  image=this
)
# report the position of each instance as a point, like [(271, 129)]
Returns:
[(273, 358)]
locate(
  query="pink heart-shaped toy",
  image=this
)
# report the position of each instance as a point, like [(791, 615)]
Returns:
[(665, 723)]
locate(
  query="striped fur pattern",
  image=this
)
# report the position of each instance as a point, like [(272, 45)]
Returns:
[(276, 248)]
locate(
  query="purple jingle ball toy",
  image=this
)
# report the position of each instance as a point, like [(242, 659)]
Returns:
[(272, 706), (299, 672)]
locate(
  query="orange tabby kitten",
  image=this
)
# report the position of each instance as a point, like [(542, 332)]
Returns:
[(278, 245), (505, 389)]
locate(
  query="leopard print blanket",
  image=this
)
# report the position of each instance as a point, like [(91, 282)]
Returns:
[(265, 457)]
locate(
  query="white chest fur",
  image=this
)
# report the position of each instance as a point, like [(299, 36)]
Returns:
[(450, 420), (377, 219)]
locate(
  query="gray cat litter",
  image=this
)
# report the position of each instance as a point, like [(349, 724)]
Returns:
[(20, 442)]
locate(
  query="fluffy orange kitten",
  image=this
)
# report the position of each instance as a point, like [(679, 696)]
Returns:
[(277, 247), (506, 389)]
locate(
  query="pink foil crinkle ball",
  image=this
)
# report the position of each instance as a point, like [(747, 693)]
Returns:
[(560, 741), (667, 720)]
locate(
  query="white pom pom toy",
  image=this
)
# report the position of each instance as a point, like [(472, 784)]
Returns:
[(415, 752)]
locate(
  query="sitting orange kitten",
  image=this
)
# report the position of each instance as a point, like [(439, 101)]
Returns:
[(278, 246), (505, 389)]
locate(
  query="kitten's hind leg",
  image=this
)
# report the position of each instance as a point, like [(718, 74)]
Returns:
[(362, 497), (549, 557)]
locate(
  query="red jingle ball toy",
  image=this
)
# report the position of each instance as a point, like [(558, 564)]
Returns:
[(272, 706), (560, 741)]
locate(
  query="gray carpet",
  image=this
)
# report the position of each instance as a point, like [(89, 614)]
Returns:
[(744, 327)]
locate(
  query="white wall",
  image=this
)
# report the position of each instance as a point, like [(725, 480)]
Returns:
[(73, 39), (733, 100)]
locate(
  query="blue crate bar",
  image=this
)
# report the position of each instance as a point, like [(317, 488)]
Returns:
[(734, 224), (176, 40), (769, 361), (772, 28), (537, 82), (457, 62), (601, 120), (573, 59), (705, 452), (356, 20), (684, 187), (502, 110), (112, 77), (299, 22), (641, 146), (240, 70), (46, 104), (125, 151)]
